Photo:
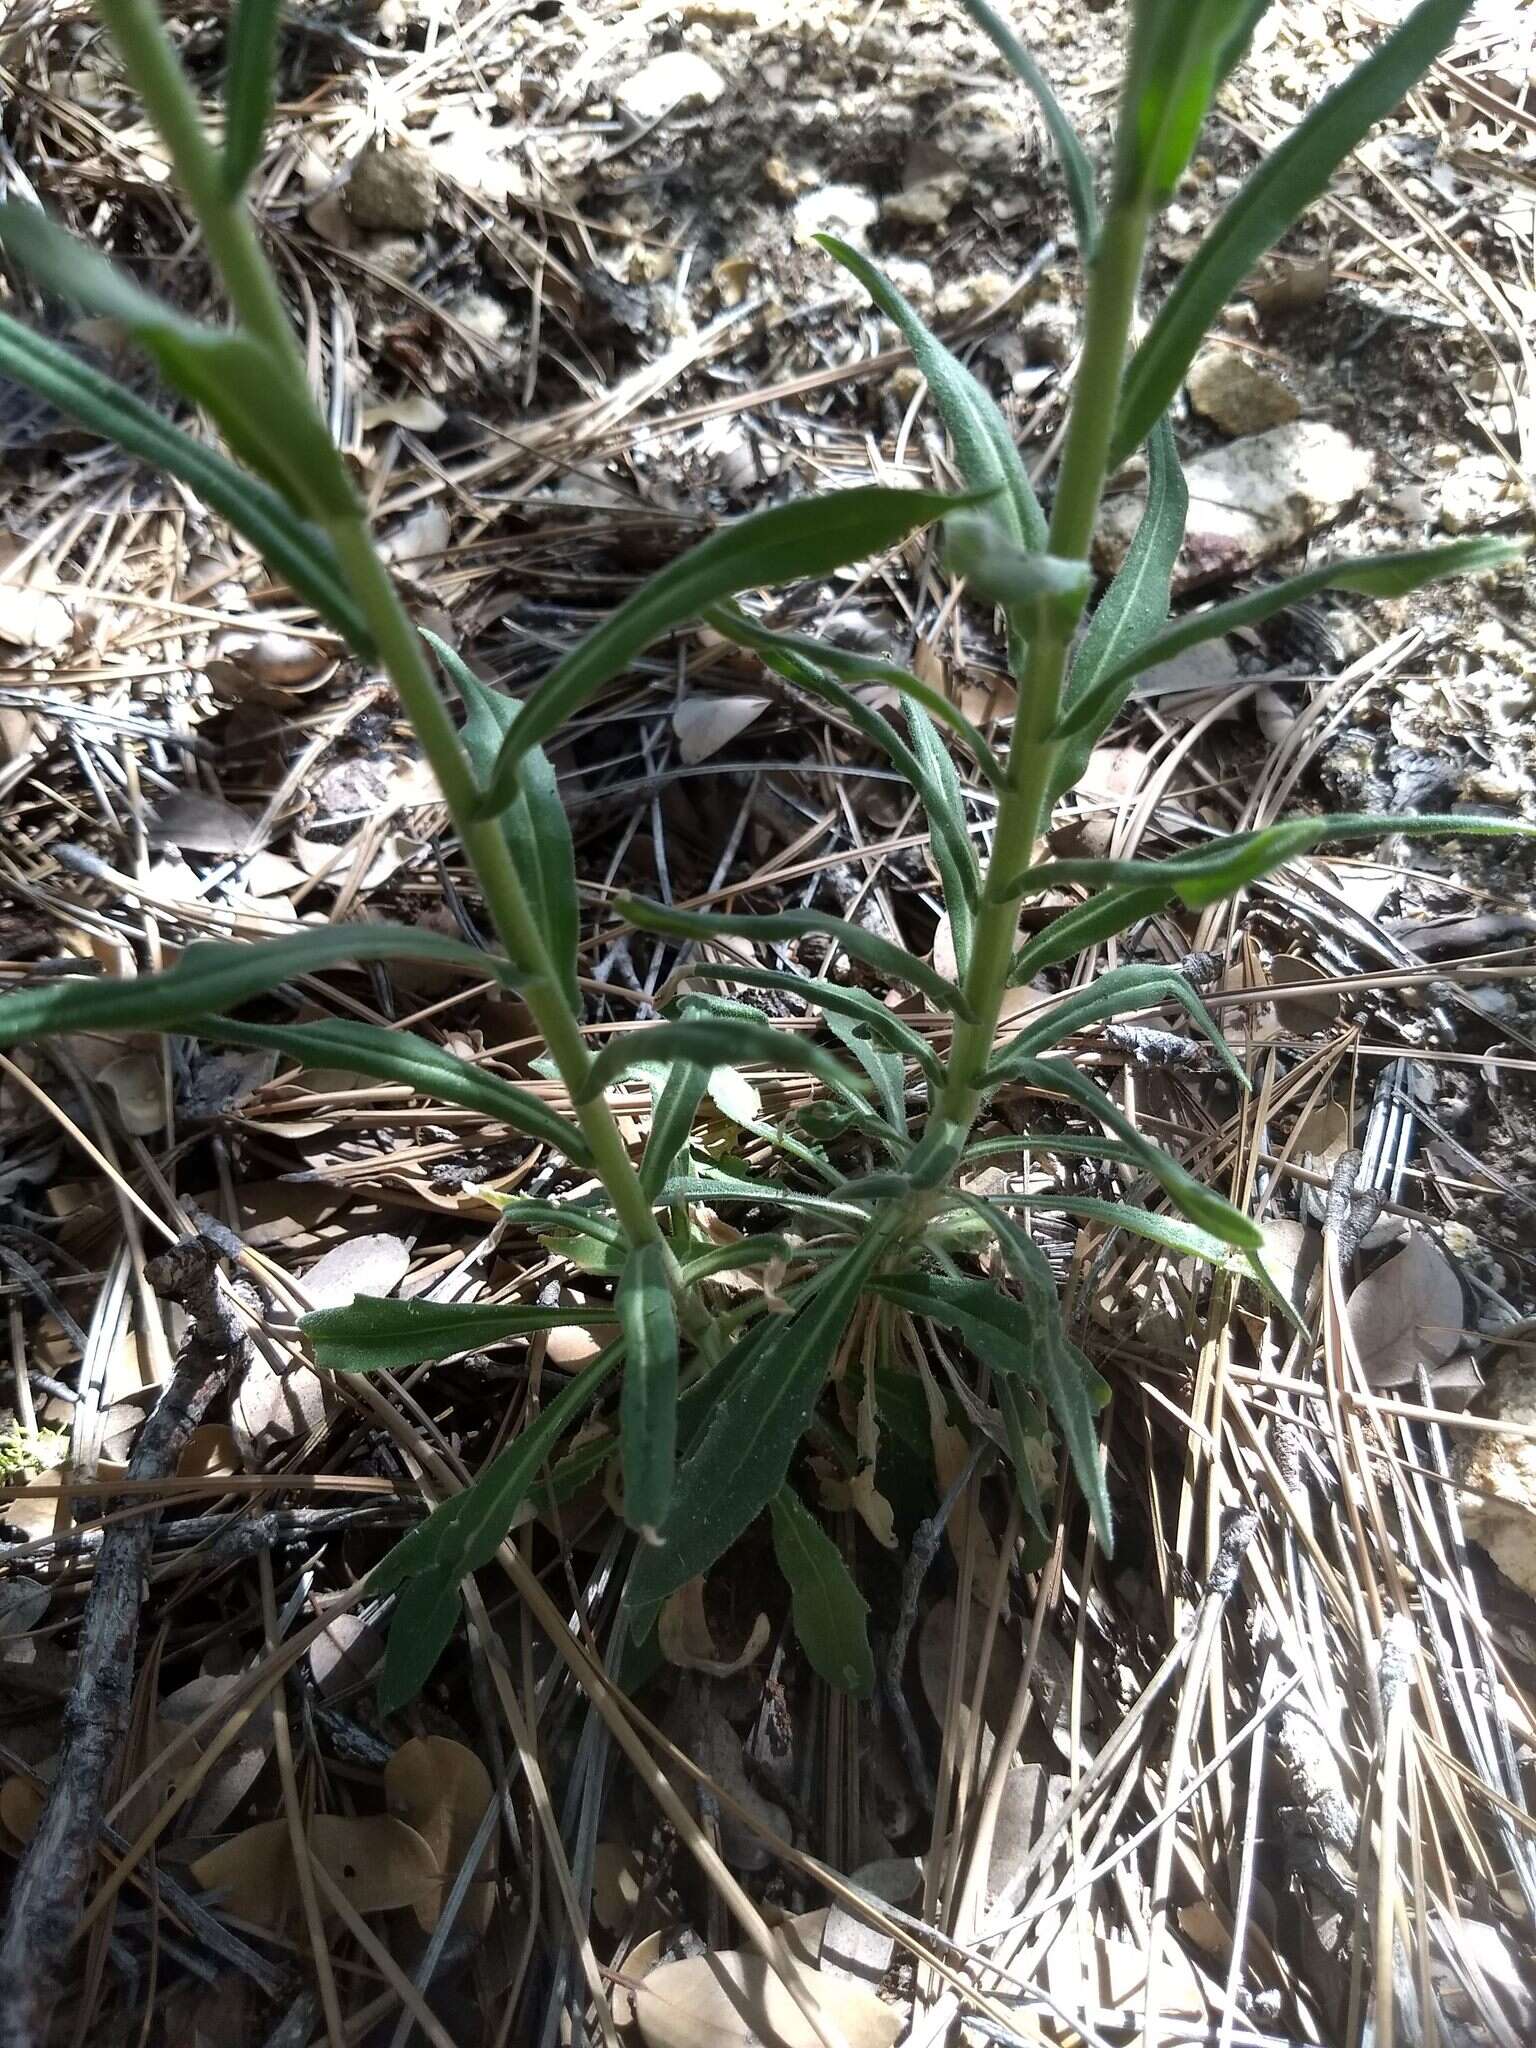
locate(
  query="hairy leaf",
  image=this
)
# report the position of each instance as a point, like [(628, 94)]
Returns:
[(248, 88), (713, 1044), (739, 1462), (1287, 181), (1202, 1205), (675, 1105), (648, 1398), (849, 666), (1130, 613), (782, 545), (370, 1335), (1220, 870), (1076, 168), (1091, 706), (1112, 995), (463, 1534), (238, 380), (535, 822), (881, 954), (1087, 924), (831, 1616), (299, 552), (1020, 1336), (831, 997), (214, 974), (416, 1063), (985, 451)]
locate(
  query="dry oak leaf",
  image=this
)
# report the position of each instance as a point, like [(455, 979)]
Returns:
[(683, 1632), (1408, 1313), (734, 2000), (376, 1862), (441, 1789)]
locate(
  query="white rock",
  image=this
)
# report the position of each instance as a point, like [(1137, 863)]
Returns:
[(1478, 490), (392, 186), (677, 78), (1501, 1513), (847, 211), (1250, 500), (929, 202), (1237, 395)]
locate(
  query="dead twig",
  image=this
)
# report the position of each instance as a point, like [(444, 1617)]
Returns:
[(54, 1872)]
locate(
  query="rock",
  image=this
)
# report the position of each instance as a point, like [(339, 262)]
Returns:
[(392, 186), (928, 203), (1501, 1514), (911, 277), (677, 78), (1478, 491), (1237, 395), (847, 211), (967, 298), (485, 317), (1249, 500), (1050, 331)]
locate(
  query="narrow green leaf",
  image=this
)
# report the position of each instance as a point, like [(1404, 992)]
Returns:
[(831, 1616), (535, 822), (1112, 995), (298, 552), (212, 975), (1202, 1205), (421, 1627), (1076, 168), (674, 1106), (571, 1217), (1086, 924), (885, 1069), (372, 1335), (1220, 870), (1020, 1337), (1177, 57), (945, 808), (712, 1186), (1287, 181), (1026, 583), (985, 451), (739, 1462), (1094, 703), (881, 954), (797, 658), (464, 1534), (849, 666), (712, 1044), (831, 998), (1131, 611), (239, 381), (248, 89), (745, 1253), (648, 1398), (415, 1063), (782, 545), (1171, 1232)]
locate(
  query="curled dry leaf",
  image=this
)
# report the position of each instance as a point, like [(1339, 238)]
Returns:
[(375, 1861), (23, 1603), (202, 824), (238, 1767), (441, 1789), (1407, 1314), (210, 1453), (618, 1877), (684, 1634), (21, 1802), (136, 1083), (734, 2000), (373, 1265), (706, 724), (635, 1967), (167, 1767), (271, 1408)]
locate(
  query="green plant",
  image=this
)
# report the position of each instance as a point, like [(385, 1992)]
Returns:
[(712, 1405)]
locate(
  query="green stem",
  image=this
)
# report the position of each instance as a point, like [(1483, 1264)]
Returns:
[(1021, 814), (155, 70)]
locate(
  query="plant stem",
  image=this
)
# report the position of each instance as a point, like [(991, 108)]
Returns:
[(155, 70), (1116, 276)]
